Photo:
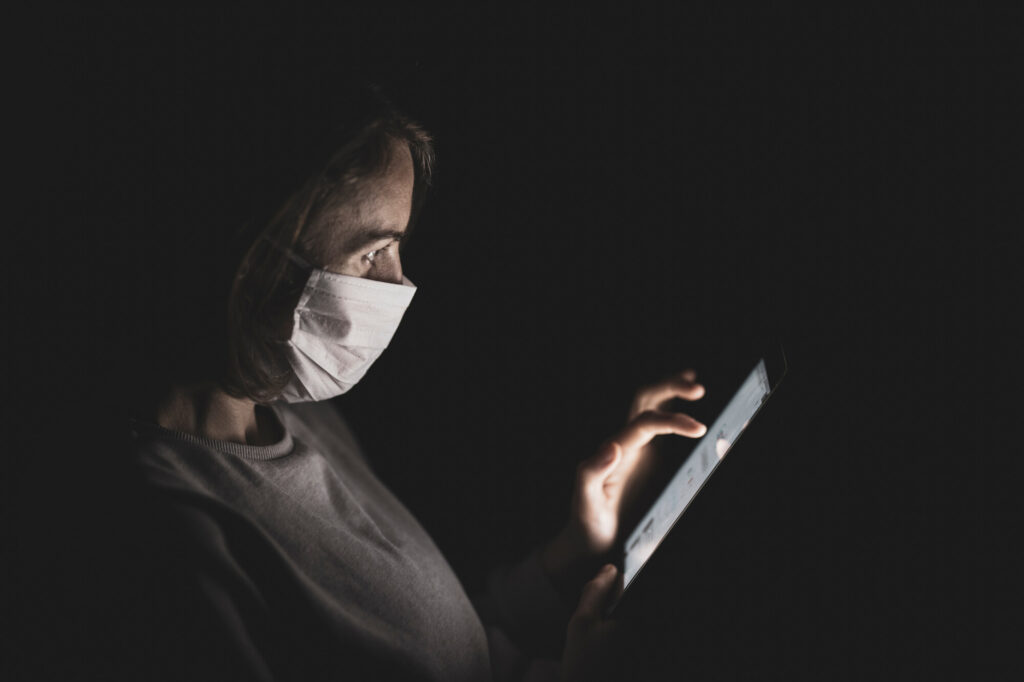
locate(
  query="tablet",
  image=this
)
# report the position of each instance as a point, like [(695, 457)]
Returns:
[(697, 468)]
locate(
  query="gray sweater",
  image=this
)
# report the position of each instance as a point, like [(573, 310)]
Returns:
[(310, 568)]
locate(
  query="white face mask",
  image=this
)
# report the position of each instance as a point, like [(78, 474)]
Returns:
[(341, 325)]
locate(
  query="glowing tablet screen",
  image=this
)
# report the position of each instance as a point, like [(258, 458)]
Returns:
[(697, 468)]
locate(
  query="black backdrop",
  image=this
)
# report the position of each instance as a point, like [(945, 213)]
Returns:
[(621, 192)]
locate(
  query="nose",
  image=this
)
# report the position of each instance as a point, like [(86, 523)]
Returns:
[(392, 272), (398, 269)]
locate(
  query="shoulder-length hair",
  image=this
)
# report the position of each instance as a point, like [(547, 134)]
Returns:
[(267, 283)]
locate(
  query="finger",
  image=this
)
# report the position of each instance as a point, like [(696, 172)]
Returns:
[(676, 386), (682, 385), (596, 593), (647, 425), (592, 472)]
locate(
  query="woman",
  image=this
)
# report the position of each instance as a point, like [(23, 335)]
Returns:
[(284, 557)]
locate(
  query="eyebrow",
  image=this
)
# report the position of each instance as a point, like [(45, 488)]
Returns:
[(368, 235)]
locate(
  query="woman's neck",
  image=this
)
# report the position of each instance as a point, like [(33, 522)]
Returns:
[(208, 411)]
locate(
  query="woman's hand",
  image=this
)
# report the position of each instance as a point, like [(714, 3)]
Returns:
[(611, 476), (590, 640)]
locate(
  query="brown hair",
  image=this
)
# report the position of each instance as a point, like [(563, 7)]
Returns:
[(268, 283)]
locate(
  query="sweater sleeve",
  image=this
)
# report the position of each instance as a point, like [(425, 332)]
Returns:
[(189, 615), (216, 620), (525, 621)]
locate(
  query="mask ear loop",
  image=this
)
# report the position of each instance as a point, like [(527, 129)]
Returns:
[(293, 257)]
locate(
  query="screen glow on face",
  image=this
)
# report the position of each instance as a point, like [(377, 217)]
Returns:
[(697, 468)]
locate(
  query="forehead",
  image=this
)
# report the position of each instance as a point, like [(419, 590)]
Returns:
[(392, 187), (378, 207), (384, 198)]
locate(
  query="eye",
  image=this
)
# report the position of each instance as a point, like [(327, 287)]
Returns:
[(371, 256)]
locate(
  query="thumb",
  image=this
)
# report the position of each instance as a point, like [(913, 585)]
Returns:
[(597, 467), (596, 593)]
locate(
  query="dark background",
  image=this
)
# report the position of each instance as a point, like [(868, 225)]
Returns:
[(622, 192)]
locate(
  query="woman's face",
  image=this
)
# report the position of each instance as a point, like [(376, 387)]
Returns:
[(370, 227)]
